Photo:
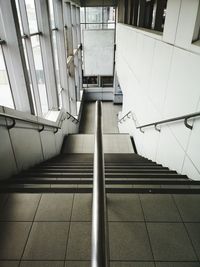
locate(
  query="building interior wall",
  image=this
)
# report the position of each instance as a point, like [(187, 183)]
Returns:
[(24, 146), (159, 76)]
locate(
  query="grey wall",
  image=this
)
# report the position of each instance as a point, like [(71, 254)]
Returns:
[(159, 77), (24, 146)]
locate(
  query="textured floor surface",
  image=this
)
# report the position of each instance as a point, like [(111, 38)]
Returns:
[(144, 230), (110, 118)]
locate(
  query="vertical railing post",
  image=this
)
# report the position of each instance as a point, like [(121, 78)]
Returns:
[(99, 255)]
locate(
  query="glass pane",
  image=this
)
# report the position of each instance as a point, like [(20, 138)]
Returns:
[(31, 13), (55, 53), (40, 73), (51, 12), (94, 15), (82, 14), (19, 17), (5, 91), (29, 75)]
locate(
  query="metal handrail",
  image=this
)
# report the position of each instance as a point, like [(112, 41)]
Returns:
[(16, 118), (155, 124), (69, 116), (127, 115), (184, 117), (99, 251)]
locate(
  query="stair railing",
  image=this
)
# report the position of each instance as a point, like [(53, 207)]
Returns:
[(186, 117), (99, 250), (39, 124), (69, 116)]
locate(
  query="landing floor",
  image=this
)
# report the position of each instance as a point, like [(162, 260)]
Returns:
[(144, 230), (110, 118)]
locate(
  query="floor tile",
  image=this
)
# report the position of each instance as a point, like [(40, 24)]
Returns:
[(54, 207), (42, 264), (20, 207), (47, 241), (159, 208), (79, 243), (194, 234), (129, 241), (177, 264), (124, 207), (170, 242), (13, 237), (131, 264), (9, 263), (82, 207), (189, 207), (78, 264)]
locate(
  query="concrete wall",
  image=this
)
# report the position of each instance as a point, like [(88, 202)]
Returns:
[(160, 79), (24, 146), (98, 49)]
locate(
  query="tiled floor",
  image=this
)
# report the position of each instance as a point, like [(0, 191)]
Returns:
[(110, 118), (54, 230)]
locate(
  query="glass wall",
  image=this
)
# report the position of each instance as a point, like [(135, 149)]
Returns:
[(34, 69), (5, 91), (98, 17)]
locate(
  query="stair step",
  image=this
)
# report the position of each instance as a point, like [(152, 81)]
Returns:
[(66, 171), (118, 167), (125, 190), (107, 181)]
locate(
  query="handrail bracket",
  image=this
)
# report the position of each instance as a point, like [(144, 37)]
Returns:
[(187, 124)]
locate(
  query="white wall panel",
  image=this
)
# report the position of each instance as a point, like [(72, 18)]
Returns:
[(171, 21), (48, 144), (186, 25), (183, 87), (160, 81), (98, 49), (27, 147), (7, 161)]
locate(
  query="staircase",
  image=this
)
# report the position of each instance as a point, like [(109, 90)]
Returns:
[(124, 173)]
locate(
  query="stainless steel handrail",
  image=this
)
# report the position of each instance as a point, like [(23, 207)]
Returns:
[(16, 118), (155, 124), (99, 251), (69, 116), (127, 115), (184, 117)]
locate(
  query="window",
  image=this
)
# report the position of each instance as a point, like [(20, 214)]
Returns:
[(98, 17), (5, 90), (55, 50), (149, 14), (31, 13), (33, 56), (39, 73), (89, 81), (106, 81)]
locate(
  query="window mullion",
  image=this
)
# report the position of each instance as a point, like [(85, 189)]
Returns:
[(28, 46), (62, 55), (47, 52), (14, 57)]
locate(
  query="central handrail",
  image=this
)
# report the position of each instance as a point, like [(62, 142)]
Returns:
[(99, 251)]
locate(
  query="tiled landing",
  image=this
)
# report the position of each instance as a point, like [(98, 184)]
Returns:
[(110, 118), (144, 230), (84, 143)]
